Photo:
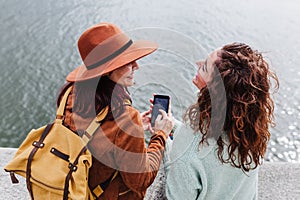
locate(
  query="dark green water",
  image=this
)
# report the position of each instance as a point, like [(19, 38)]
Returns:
[(39, 48)]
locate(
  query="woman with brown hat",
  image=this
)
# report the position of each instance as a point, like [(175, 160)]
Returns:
[(228, 132), (122, 165)]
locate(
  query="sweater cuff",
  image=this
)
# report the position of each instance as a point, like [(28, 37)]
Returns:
[(161, 135)]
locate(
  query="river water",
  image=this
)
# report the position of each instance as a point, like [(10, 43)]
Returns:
[(39, 48)]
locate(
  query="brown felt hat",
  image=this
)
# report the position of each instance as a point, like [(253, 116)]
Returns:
[(104, 48)]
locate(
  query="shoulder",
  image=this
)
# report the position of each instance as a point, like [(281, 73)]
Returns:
[(132, 111), (130, 122), (184, 144), (129, 111), (130, 114)]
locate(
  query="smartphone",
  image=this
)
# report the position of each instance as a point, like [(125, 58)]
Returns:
[(159, 102)]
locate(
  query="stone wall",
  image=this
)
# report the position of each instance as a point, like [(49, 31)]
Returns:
[(276, 181)]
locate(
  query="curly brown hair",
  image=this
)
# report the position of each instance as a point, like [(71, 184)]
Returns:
[(246, 104)]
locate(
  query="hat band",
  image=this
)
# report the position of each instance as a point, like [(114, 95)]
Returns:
[(112, 56)]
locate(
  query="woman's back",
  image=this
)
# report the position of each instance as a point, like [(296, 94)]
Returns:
[(202, 176), (119, 145)]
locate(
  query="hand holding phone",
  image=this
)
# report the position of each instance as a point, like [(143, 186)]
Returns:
[(159, 102)]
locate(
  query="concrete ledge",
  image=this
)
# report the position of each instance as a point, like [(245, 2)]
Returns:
[(7, 189), (279, 180), (276, 181)]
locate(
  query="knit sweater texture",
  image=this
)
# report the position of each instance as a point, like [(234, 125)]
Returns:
[(195, 172)]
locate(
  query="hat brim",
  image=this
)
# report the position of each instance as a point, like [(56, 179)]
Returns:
[(136, 51)]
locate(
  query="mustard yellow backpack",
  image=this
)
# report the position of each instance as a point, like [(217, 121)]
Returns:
[(55, 161)]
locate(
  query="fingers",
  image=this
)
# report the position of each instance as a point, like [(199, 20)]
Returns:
[(146, 120), (164, 122), (147, 112), (151, 100), (159, 118), (151, 107), (164, 114), (152, 131), (144, 114)]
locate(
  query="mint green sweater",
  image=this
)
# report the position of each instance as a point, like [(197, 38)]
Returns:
[(195, 172)]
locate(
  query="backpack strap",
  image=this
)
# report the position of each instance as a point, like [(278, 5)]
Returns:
[(89, 132), (39, 144), (36, 145), (86, 136), (61, 108), (73, 168), (94, 125), (127, 102), (99, 189)]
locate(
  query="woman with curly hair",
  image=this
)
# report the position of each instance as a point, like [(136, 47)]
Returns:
[(230, 122)]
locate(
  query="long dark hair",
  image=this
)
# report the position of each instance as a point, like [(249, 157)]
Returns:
[(249, 110), (92, 95)]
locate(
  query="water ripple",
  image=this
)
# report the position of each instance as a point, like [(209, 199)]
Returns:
[(39, 48)]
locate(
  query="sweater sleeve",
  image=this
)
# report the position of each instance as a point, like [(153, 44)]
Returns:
[(137, 164)]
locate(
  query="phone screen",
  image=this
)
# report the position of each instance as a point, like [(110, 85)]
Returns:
[(160, 102)]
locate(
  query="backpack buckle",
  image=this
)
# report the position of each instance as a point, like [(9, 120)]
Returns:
[(72, 167), (61, 117), (38, 144)]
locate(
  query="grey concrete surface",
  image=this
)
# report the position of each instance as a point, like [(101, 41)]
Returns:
[(277, 181), (9, 191)]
